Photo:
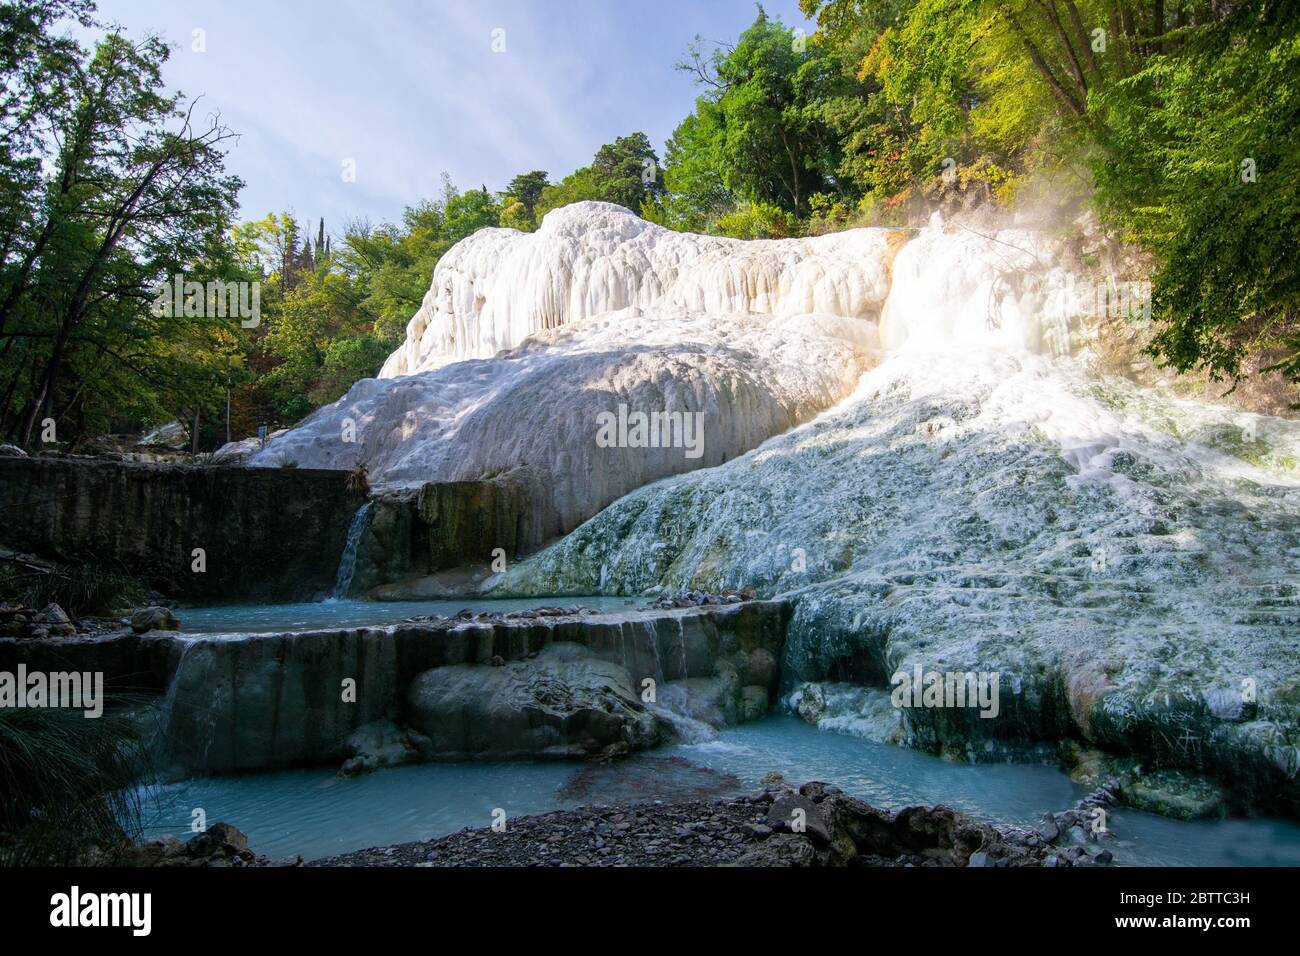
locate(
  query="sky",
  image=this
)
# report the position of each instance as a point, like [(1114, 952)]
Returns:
[(400, 91)]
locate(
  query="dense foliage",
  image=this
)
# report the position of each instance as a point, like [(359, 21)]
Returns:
[(1178, 119)]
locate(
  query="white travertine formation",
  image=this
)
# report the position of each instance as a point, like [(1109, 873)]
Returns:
[(1127, 561), (499, 286), (524, 340)]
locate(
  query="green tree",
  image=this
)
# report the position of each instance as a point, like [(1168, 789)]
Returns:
[(134, 192), (1204, 169), (466, 213), (625, 172), (527, 189), (761, 125)]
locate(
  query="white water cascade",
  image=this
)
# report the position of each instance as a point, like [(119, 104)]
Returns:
[(348, 560)]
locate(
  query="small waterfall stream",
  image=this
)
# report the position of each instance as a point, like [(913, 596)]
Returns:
[(348, 562)]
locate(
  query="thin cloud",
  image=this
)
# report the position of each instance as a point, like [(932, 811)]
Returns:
[(410, 90)]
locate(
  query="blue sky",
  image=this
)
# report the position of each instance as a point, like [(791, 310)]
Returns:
[(410, 88)]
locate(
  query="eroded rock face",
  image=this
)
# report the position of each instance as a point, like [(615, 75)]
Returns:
[(154, 619), (382, 744), (499, 286), (564, 703)]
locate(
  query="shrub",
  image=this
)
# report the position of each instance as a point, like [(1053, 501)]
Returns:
[(67, 786)]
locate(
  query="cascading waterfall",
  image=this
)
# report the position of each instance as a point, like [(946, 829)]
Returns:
[(348, 561)]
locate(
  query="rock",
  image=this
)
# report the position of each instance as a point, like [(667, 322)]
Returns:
[(220, 845), (268, 535), (218, 836), (236, 452), (764, 669), (1186, 702), (382, 743), (155, 618), (1177, 794), (720, 832), (753, 703), (11, 451), (795, 813), (172, 435), (54, 621), (563, 703), (780, 849), (674, 311), (810, 702), (273, 700)]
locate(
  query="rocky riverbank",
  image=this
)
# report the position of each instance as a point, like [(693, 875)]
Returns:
[(815, 825)]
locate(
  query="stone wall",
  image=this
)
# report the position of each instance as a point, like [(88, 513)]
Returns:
[(267, 534)]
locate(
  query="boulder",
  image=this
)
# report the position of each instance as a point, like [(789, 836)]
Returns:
[(219, 845), (795, 813), (155, 618), (382, 743), (563, 703), (55, 622)]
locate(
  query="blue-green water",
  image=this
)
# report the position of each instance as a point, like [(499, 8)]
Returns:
[(316, 814), (273, 618)]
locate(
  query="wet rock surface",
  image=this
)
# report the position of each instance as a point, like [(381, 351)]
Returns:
[(219, 845), (269, 700), (1168, 792), (815, 825), (154, 619), (563, 703), (702, 598)]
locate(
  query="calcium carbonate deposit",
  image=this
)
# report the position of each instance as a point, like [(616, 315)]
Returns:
[(1125, 560), (525, 340), (973, 496)]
